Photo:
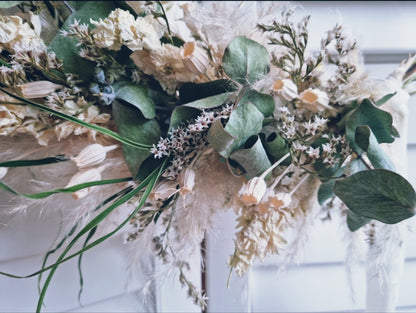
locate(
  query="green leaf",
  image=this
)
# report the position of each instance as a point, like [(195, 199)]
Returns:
[(244, 122), (137, 96), (326, 191), (245, 61), (253, 158), (378, 194), (66, 49), (276, 146), (37, 162), (8, 4), (379, 121), (355, 221), (385, 99), (192, 109), (133, 125), (262, 101), (192, 91), (219, 138), (366, 140)]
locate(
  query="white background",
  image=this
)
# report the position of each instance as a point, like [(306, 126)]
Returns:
[(386, 33)]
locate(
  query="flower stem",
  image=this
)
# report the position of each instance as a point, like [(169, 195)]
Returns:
[(266, 172)]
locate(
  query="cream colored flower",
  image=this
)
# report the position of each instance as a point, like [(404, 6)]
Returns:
[(92, 155), (17, 36), (280, 200), (121, 28), (315, 100), (252, 192), (285, 89)]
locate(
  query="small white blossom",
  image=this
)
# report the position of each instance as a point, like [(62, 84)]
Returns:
[(313, 153), (315, 100)]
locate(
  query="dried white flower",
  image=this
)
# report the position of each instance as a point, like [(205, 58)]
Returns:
[(92, 155), (252, 192), (285, 88), (280, 200), (315, 100), (195, 58)]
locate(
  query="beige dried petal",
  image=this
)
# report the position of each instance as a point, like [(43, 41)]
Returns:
[(187, 180), (92, 155), (38, 89), (81, 177)]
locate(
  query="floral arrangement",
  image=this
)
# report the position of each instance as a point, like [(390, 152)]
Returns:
[(156, 116)]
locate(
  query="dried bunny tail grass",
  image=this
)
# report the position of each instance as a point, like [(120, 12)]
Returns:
[(306, 208), (214, 185)]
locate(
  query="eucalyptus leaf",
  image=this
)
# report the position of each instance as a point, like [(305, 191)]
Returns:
[(378, 194), (8, 4), (65, 48), (133, 125), (326, 191), (244, 122), (253, 158), (379, 121), (366, 140), (219, 138), (262, 101), (245, 61), (385, 98), (355, 221), (192, 91), (137, 96), (276, 146)]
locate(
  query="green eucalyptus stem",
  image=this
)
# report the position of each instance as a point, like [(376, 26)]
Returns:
[(75, 120)]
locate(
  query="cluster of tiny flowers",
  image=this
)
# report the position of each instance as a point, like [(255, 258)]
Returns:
[(290, 128), (334, 151), (185, 142)]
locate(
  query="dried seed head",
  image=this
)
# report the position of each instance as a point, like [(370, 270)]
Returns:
[(84, 176), (92, 155), (252, 192)]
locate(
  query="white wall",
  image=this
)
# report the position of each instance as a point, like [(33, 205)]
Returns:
[(382, 28)]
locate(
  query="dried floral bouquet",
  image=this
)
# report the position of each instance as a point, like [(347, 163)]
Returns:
[(158, 115)]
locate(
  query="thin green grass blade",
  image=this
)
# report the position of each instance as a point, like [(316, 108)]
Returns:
[(81, 278), (149, 181), (72, 230), (75, 120), (37, 162), (71, 189)]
